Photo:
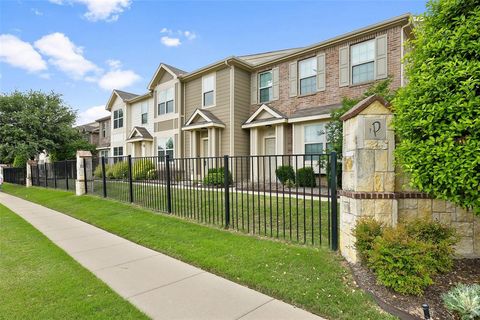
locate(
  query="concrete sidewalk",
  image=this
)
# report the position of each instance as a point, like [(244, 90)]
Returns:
[(160, 286)]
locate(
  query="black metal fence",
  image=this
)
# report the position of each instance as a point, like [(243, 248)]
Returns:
[(57, 175), (15, 175), (291, 197)]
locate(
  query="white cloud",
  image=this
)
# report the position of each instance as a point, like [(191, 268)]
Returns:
[(189, 35), (20, 54), (114, 64), (36, 12), (92, 114), (65, 55), (118, 79), (170, 42), (107, 10)]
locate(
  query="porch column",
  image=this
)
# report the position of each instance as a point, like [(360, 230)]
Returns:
[(194, 151), (254, 147), (212, 142)]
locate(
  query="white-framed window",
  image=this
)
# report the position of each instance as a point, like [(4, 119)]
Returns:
[(166, 101), (165, 146), (314, 140), (117, 151), (118, 118), (265, 86), (308, 75), (144, 111), (104, 129), (104, 153), (208, 91), (362, 61)]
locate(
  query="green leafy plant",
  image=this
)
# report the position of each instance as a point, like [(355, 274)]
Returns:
[(97, 173), (285, 173), (365, 232), (306, 177), (119, 170), (289, 184), (437, 112), (216, 177), (464, 300), (405, 258), (141, 168), (20, 161)]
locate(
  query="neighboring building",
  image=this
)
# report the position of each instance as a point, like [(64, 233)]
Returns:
[(270, 103), (89, 132), (104, 129)]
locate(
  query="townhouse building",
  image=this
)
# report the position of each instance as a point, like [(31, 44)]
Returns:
[(269, 103)]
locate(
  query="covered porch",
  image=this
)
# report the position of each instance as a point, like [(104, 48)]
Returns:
[(140, 142)]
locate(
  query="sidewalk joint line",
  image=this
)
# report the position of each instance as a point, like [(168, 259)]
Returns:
[(83, 251), (255, 309), (133, 260)]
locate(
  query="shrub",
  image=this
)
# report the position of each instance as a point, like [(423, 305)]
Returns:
[(464, 300), (290, 184), (152, 174), (366, 231), (141, 168), (306, 177), (406, 258), (119, 170), (436, 113), (215, 177), (285, 173)]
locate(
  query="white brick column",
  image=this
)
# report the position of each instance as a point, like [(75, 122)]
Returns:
[(83, 169), (28, 178)]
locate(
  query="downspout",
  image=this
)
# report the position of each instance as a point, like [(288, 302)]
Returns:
[(402, 52)]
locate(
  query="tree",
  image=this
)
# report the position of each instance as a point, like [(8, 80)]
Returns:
[(438, 111), (34, 121)]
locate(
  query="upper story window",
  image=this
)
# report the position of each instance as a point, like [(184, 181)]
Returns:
[(104, 129), (208, 91), (144, 115), (362, 61), (314, 139), (308, 75), (166, 101), (117, 119), (265, 86)]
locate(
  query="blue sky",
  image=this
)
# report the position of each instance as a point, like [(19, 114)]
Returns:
[(84, 48)]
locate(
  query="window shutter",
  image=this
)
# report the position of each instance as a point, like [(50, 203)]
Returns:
[(292, 79), (253, 88), (275, 85), (381, 57), (155, 103), (321, 72), (344, 66)]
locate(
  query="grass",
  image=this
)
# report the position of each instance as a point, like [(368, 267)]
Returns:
[(40, 281), (312, 278), (301, 220)]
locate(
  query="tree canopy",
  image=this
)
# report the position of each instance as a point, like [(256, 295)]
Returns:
[(33, 121), (438, 111)]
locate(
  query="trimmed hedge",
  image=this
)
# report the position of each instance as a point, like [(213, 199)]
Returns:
[(285, 173), (306, 177), (142, 169), (215, 177)]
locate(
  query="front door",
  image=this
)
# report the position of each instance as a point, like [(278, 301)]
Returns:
[(204, 153), (269, 162)]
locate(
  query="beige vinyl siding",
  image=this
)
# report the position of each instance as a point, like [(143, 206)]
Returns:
[(164, 125), (165, 77), (222, 107), (242, 112), (193, 96)]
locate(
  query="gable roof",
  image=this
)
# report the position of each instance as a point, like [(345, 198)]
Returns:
[(125, 96), (175, 72), (362, 105), (143, 134), (210, 120), (275, 117), (314, 113)]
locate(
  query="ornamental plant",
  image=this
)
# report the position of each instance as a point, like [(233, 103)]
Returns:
[(438, 111), (285, 173), (464, 300)]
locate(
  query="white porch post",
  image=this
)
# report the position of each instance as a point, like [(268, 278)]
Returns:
[(194, 151), (254, 151)]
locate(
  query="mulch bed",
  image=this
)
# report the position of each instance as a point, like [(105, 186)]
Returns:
[(410, 307)]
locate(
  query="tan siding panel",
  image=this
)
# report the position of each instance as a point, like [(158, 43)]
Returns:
[(193, 96), (242, 112), (164, 125), (222, 107)]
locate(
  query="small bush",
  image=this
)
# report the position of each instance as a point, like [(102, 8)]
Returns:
[(366, 231), (406, 258), (289, 184), (141, 168), (97, 173), (464, 300), (152, 174), (285, 173), (215, 177), (119, 170), (306, 177)]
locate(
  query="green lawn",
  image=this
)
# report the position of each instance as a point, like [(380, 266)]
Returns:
[(40, 281), (301, 220), (312, 278)]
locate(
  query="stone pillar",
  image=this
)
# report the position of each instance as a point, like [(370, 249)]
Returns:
[(28, 178), (368, 179), (81, 177)]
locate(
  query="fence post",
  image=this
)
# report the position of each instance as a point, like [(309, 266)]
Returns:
[(104, 178), (169, 184), (226, 182), (54, 175), (84, 172), (130, 177), (46, 174), (66, 173), (333, 199)]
